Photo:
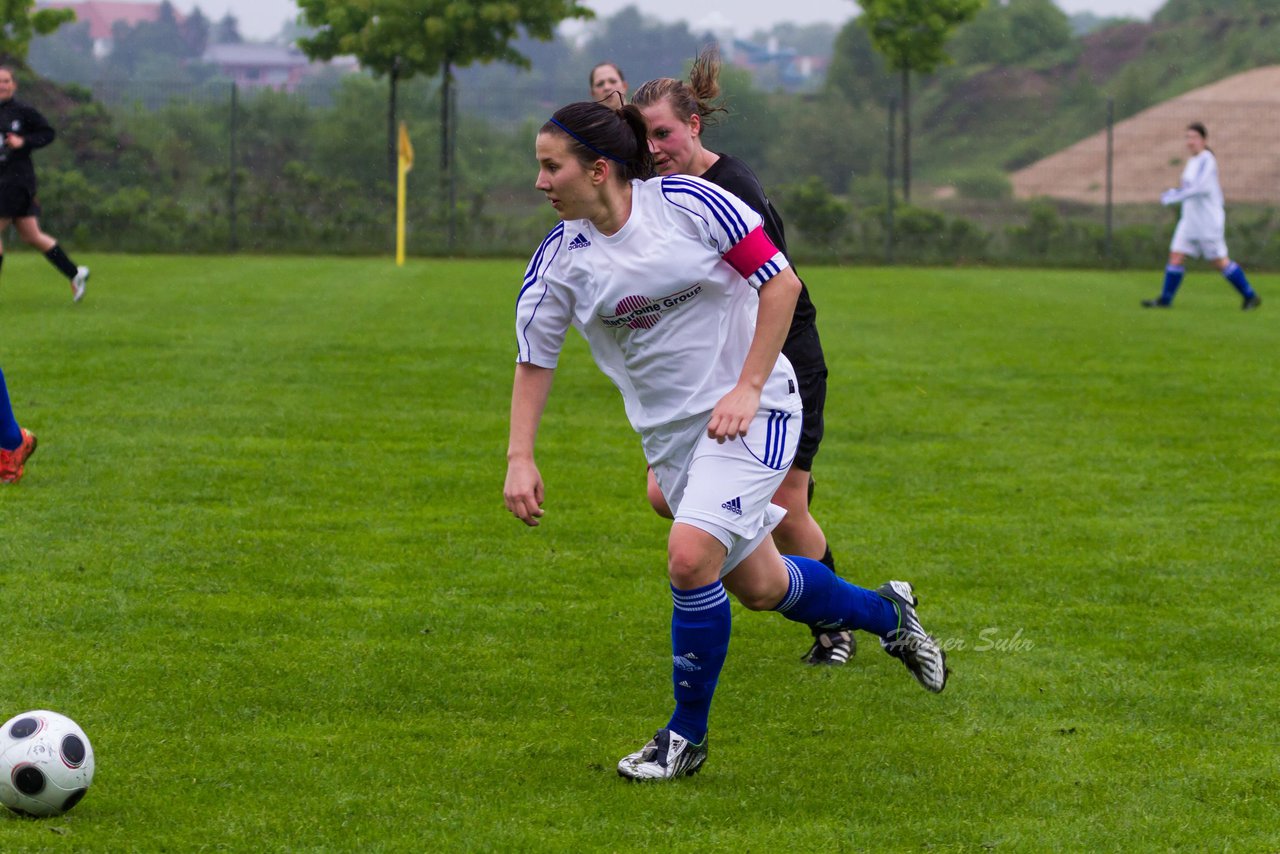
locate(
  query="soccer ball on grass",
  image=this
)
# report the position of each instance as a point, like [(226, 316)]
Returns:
[(46, 763)]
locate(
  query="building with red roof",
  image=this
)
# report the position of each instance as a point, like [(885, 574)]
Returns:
[(102, 15)]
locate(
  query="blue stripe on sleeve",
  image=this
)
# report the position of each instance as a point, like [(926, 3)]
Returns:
[(523, 350), (531, 273), (730, 220)]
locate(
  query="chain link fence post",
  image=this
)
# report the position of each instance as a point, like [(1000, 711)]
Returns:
[(233, 238), (888, 211), (1111, 104)]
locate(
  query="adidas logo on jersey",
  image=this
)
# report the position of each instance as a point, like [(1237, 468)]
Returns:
[(733, 505), (579, 242)]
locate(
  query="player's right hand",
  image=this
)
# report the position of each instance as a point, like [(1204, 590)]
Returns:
[(733, 414), (523, 492)]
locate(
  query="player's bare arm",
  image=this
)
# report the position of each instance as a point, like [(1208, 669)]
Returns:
[(523, 492), (732, 415)]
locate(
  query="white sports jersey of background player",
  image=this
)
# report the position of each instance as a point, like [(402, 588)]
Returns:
[(1200, 231), (668, 306)]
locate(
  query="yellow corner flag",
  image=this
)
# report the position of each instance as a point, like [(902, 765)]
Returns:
[(406, 163), (406, 149)]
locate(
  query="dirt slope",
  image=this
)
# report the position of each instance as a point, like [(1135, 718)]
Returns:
[(1242, 114)]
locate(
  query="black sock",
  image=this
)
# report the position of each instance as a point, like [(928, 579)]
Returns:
[(59, 259), (1, 259)]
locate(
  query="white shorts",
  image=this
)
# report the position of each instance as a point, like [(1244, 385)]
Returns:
[(1208, 248), (725, 489)]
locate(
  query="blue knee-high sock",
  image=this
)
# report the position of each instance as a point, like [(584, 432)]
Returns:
[(10, 433), (1234, 274), (818, 597), (1172, 279), (699, 643)]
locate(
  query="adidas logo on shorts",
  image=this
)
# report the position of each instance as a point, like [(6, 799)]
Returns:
[(579, 242), (733, 505)]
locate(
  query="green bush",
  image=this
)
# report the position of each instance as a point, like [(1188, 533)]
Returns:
[(1251, 237), (1035, 239), (991, 184), (812, 209), (966, 241), (925, 236)]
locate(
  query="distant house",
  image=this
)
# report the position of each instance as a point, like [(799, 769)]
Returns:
[(250, 65), (256, 66), (259, 66), (777, 66), (102, 15)]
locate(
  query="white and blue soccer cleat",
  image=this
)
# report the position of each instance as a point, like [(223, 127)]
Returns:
[(909, 643), (667, 756)]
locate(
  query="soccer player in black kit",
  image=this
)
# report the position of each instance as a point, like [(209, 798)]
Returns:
[(674, 112), (24, 130)]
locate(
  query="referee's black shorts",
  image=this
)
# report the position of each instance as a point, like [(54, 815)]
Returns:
[(804, 351), (17, 201)]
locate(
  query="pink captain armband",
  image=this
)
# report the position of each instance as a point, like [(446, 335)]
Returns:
[(751, 253)]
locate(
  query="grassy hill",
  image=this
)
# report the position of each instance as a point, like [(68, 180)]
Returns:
[(1005, 115)]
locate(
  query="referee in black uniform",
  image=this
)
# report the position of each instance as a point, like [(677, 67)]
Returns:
[(24, 130)]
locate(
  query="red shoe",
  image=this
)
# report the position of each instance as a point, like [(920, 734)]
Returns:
[(13, 463)]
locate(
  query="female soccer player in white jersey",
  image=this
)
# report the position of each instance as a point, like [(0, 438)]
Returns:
[(1201, 228), (676, 114), (684, 303)]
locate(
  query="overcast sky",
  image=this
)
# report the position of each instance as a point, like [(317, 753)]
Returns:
[(261, 19)]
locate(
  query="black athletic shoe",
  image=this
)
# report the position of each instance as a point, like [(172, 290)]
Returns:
[(909, 643), (833, 648), (667, 756), (1156, 303), (1250, 303)]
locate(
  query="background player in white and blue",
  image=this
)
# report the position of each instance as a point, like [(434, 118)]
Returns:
[(685, 304), (1201, 231)]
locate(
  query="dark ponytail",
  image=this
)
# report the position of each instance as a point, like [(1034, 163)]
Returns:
[(1199, 128), (595, 131)]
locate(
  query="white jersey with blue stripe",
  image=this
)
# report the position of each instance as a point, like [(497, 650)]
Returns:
[(667, 318), (1203, 214)]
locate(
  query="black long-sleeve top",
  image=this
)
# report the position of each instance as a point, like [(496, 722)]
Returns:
[(736, 177), (25, 121)]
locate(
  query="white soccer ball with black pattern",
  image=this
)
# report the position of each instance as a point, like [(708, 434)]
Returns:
[(46, 763)]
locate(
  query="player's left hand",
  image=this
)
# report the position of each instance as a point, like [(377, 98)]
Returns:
[(1168, 197), (733, 414), (12, 140)]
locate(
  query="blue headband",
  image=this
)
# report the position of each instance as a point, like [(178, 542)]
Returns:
[(587, 144)]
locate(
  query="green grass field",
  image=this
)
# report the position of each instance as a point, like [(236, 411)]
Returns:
[(261, 557)]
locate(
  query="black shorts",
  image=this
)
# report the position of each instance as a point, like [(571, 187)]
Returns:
[(804, 351), (16, 200)]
